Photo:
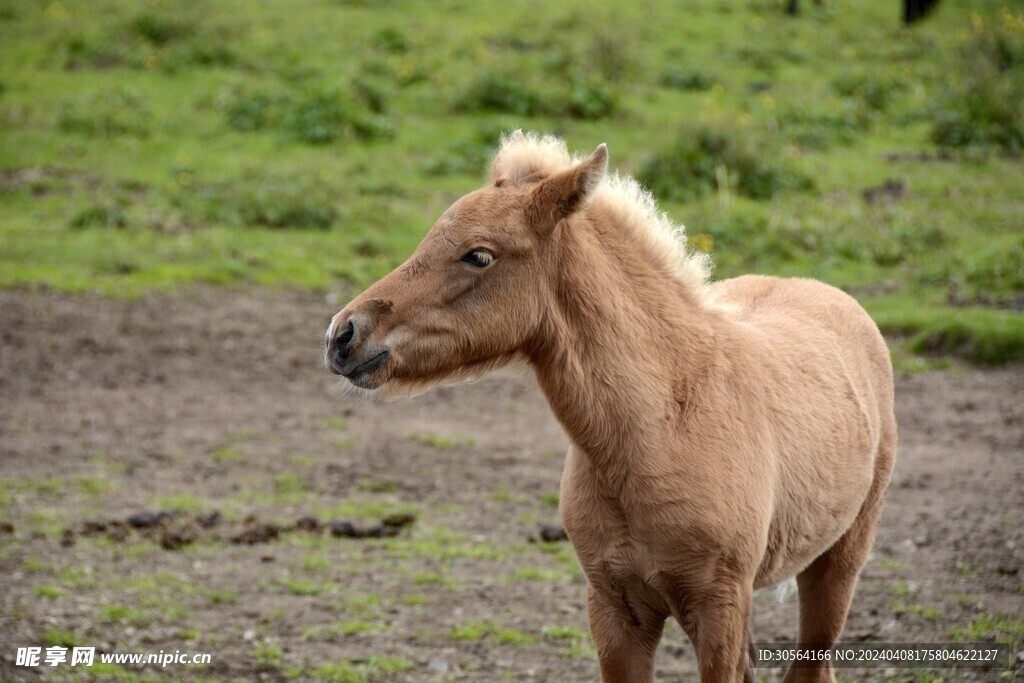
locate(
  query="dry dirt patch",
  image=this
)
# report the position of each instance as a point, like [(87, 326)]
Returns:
[(215, 402)]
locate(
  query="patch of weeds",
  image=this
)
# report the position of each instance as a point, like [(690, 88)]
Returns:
[(908, 364), (184, 502), (461, 157), (869, 89), (126, 614), (416, 600), (54, 637), (261, 200), (901, 589), (984, 104), (160, 31), (110, 113), (431, 578), (266, 655), (701, 162), (690, 79), (333, 422), (315, 563), (930, 612), (442, 443), (316, 116), (340, 672), (298, 586), (502, 494), (352, 627), (551, 498), (102, 215), (371, 485), (442, 545), (475, 631), (564, 633), (48, 592), (289, 487), (226, 454), (822, 125), (581, 649), (391, 39), (95, 486), (537, 574), (376, 507), (222, 597), (991, 627), (33, 565), (499, 91)]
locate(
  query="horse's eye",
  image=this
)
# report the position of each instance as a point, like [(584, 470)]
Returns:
[(481, 258)]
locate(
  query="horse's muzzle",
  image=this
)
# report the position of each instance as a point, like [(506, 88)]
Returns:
[(347, 353)]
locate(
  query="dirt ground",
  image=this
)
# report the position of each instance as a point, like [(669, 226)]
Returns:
[(216, 401)]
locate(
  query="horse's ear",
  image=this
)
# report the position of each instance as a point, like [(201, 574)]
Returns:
[(562, 194)]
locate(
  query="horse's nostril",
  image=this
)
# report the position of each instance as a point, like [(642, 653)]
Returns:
[(346, 334)]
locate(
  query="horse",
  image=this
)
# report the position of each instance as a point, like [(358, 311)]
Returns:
[(724, 437)]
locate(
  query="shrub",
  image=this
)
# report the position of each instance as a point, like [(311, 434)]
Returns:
[(160, 30), (984, 105), (100, 216), (578, 98), (264, 201), (869, 90), (700, 162), (834, 122), (686, 79), (314, 116)]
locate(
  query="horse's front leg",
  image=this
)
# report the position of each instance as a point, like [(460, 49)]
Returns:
[(717, 623), (625, 633)]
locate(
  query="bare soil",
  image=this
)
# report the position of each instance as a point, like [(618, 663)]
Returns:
[(211, 413)]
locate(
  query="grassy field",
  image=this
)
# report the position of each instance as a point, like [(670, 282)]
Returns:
[(311, 144)]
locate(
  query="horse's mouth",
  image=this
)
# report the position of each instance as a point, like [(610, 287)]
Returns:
[(361, 370)]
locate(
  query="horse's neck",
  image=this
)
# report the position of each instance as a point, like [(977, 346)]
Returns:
[(623, 348)]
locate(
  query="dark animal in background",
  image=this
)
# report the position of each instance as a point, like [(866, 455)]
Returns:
[(913, 10)]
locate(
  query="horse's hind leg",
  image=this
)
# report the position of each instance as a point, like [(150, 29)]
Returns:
[(826, 586)]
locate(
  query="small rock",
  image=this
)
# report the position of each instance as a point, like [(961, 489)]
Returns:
[(438, 665), (209, 520), (307, 523), (144, 520), (343, 529), (173, 540), (92, 527), (6, 528), (381, 532), (258, 533), (552, 533), (1007, 570)]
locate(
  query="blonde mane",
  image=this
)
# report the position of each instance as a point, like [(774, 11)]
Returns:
[(631, 204)]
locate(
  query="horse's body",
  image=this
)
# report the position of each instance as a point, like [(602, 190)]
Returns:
[(724, 437)]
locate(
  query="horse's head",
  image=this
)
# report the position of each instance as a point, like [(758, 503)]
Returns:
[(473, 294)]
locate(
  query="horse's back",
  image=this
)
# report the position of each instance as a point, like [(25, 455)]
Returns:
[(798, 312)]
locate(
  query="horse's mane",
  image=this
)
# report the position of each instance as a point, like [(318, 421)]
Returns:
[(631, 204)]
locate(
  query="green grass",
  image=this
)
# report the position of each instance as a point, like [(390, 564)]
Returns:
[(311, 145), (493, 632), (992, 627)]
